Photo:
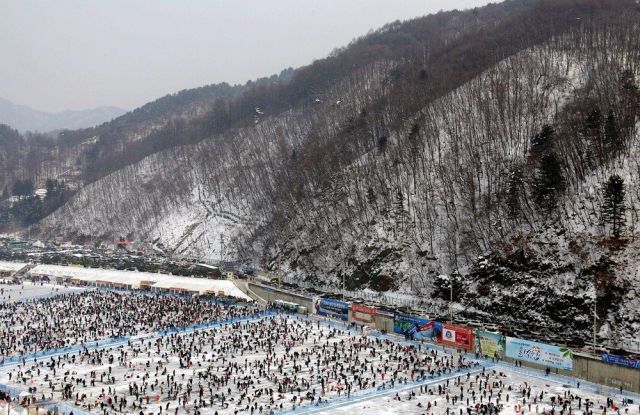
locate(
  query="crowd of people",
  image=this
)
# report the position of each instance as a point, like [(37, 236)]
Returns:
[(490, 391), (258, 367), (70, 319), (255, 366)]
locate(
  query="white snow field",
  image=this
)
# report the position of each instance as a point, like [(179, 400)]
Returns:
[(29, 291), (275, 363), (512, 382)]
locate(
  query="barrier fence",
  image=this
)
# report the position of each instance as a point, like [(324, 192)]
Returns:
[(13, 392), (571, 381)]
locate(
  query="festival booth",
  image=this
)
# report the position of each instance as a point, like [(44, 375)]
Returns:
[(199, 286)]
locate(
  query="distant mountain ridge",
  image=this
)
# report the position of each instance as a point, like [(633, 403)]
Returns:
[(24, 118)]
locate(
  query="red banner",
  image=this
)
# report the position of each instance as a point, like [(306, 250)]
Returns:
[(456, 336), (362, 313)]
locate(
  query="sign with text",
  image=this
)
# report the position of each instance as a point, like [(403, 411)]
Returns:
[(385, 313), (414, 327), (362, 313), (628, 361), (456, 336), (539, 353), (332, 308), (490, 344)]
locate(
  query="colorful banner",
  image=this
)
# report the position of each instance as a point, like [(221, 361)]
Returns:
[(332, 308), (628, 361), (539, 353), (362, 313), (490, 344), (385, 313), (414, 327), (456, 336)]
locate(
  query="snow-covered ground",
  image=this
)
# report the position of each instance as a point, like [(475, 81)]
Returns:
[(72, 320), (28, 290), (285, 364), (274, 364), (513, 384)]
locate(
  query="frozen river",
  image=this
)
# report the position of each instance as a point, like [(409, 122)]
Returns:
[(290, 364), (28, 291)]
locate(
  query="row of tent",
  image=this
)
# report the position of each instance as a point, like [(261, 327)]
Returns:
[(134, 280)]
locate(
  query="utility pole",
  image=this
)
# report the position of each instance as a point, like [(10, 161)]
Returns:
[(595, 314), (451, 301), (221, 248), (343, 285), (595, 318)]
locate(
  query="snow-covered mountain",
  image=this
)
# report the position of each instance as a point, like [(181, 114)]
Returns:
[(478, 151), (24, 118)]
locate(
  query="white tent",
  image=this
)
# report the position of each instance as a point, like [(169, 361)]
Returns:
[(6, 266), (134, 280), (201, 286)]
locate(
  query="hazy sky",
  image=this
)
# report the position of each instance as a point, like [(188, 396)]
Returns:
[(68, 54)]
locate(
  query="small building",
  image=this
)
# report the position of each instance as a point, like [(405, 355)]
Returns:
[(40, 193)]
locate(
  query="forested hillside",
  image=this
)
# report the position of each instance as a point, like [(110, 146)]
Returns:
[(495, 145)]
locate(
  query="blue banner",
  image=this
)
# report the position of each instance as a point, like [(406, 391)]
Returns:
[(414, 327), (333, 308), (540, 353), (622, 361)]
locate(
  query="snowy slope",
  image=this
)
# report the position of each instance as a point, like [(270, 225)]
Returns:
[(340, 187)]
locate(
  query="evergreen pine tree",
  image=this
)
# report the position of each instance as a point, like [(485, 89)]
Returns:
[(549, 182), (541, 141), (628, 80), (613, 208), (382, 143), (594, 119)]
